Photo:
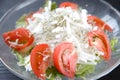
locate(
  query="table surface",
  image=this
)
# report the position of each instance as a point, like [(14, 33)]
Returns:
[(7, 75)]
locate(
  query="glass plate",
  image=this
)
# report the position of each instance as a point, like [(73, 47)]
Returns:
[(96, 7)]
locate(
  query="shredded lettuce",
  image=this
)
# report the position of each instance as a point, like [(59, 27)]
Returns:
[(52, 73), (24, 61), (21, 60), (21, 21), (19, 57), (84, 70), (113, 42)]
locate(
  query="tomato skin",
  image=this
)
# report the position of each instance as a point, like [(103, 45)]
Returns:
[(39, 60), (99, 23), (69, 4), (100, 41), (65, 63), (22, 35)]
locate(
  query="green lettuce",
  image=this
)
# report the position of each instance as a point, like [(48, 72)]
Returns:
[(21, 60), (21, 21), (113, 42), (84, 70), (52, 73)]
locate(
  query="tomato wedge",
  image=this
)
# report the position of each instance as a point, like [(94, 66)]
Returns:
[(39, 59), (18, 39), (65, 59), (69, 4), (94, 20), (100, 41)]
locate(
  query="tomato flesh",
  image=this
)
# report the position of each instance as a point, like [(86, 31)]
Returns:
[(39, 59), (69, 4), (18, 39), (101, 42), (65, 59), (94, 20)]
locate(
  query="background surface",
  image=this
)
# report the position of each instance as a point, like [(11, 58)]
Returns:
[(7, 75)]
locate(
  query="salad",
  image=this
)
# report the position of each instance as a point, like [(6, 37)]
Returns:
[(60, 40)]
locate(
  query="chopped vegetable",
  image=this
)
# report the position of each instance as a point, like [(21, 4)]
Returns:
[(84, 69), (94, 20), (21, 21), (113, 42), (39, 59), (65, 58), (20, 59), (101, 42), (52, 73), (19, 39)]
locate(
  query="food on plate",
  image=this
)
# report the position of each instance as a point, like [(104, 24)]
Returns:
[(65, 59), (39, 59), (54, 42), (19, 39)]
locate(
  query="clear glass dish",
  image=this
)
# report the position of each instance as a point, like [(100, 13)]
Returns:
[(96, 7)]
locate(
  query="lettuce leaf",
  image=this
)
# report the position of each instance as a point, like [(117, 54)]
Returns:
[(21, 21), (52, 73), (21, 60), (84, 70), (113, 42)]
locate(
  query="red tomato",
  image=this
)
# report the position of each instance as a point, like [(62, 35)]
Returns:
[(69, 4), (99, 23), (101, 42), (65, 59), (18, 39), (39, 59)]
